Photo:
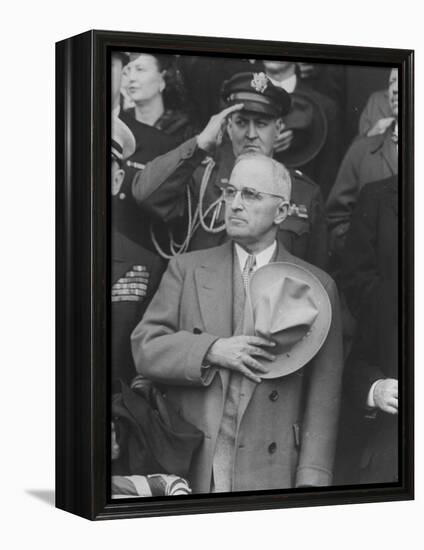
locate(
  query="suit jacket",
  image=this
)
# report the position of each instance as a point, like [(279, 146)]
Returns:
[(161, 190), (370, 282), (125, 315), (286, 426)]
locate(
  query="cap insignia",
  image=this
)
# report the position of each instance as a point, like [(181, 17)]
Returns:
[(259, 82)]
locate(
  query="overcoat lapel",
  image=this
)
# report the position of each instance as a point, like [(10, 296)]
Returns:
[(213, 282), (389, 154), (214, 291)]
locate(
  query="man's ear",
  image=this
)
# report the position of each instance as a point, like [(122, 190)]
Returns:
[(117, 179), (279, 125), (281, 213)]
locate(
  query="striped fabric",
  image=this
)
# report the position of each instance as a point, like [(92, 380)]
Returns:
[(155, 485)]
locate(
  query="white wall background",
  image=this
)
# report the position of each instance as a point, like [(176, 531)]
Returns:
[(29, 31)]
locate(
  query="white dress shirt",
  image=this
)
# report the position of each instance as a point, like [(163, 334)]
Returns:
[(262, 258)]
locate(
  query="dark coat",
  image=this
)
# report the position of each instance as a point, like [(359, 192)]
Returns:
[(125, 315), (370, 283), (161, 189), (368, 159), (128, 217), (287, 426), (152, 436)]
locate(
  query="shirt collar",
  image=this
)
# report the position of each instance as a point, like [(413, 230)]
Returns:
[(289, 84), (262, 258)]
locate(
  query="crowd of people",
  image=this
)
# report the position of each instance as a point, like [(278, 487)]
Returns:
[(254, 314)]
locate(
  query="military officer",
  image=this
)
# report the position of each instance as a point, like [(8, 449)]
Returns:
[(184, 187)]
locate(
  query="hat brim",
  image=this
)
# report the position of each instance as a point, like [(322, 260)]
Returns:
[(306, 349), (256, 107), (307, 143)]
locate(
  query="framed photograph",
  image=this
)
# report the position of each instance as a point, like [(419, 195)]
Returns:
[(234, 275)]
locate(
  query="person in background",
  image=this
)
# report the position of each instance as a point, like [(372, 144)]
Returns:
[(370, 284), (321, 166), (136, 272), (158, 123), (369, 158), (378, 113), (156, 89), (118, 60)]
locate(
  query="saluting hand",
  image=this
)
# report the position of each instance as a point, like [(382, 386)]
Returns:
[(211, 135), (237, 354)]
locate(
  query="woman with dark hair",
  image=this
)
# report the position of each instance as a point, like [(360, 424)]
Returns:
[(159, 124), (155, 86)]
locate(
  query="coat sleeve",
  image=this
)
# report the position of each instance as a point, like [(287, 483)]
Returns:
[(360, 276), (343, 195), (162, 352), (320, 420), (318, 242), (160, 188)]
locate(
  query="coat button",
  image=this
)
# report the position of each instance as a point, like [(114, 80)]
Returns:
[(272, 448), (273, 395)]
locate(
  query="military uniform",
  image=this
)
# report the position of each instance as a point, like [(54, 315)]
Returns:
[(161, 189)]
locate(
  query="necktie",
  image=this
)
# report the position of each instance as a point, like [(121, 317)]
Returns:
[(248, 269)]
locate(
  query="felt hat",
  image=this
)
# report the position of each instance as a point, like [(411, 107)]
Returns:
[(286, 303), (308, 122), (257, 93)]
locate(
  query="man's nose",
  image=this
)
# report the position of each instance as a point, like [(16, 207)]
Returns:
[(251, 131), (237, 202)]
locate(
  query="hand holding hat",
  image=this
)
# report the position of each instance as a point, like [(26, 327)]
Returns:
[(288, 305), (238, 353)]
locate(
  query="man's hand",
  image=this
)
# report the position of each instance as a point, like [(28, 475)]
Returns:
[(132, 287), (386, 395), (283, 141), (211, 135), (380, 126), (237, 354)]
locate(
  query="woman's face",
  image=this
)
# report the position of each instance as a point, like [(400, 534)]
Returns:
[(145, 81)]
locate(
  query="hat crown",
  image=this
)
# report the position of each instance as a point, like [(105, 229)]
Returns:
[(288, 304), (285, 312)]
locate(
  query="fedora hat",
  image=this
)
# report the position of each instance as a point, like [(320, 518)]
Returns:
[(286, 303), (308, 122)]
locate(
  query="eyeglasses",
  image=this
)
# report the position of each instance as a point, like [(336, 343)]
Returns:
[(248, 195)]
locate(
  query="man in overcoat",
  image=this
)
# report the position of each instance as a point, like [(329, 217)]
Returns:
[(369, 158), (370, 282), (258, 433)]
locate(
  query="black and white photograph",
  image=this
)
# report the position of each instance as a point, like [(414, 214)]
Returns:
[(254, 275)]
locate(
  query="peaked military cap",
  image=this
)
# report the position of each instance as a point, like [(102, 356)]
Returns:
[(258, 94)]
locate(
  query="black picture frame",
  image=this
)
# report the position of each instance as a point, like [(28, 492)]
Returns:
[(82, 267)]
